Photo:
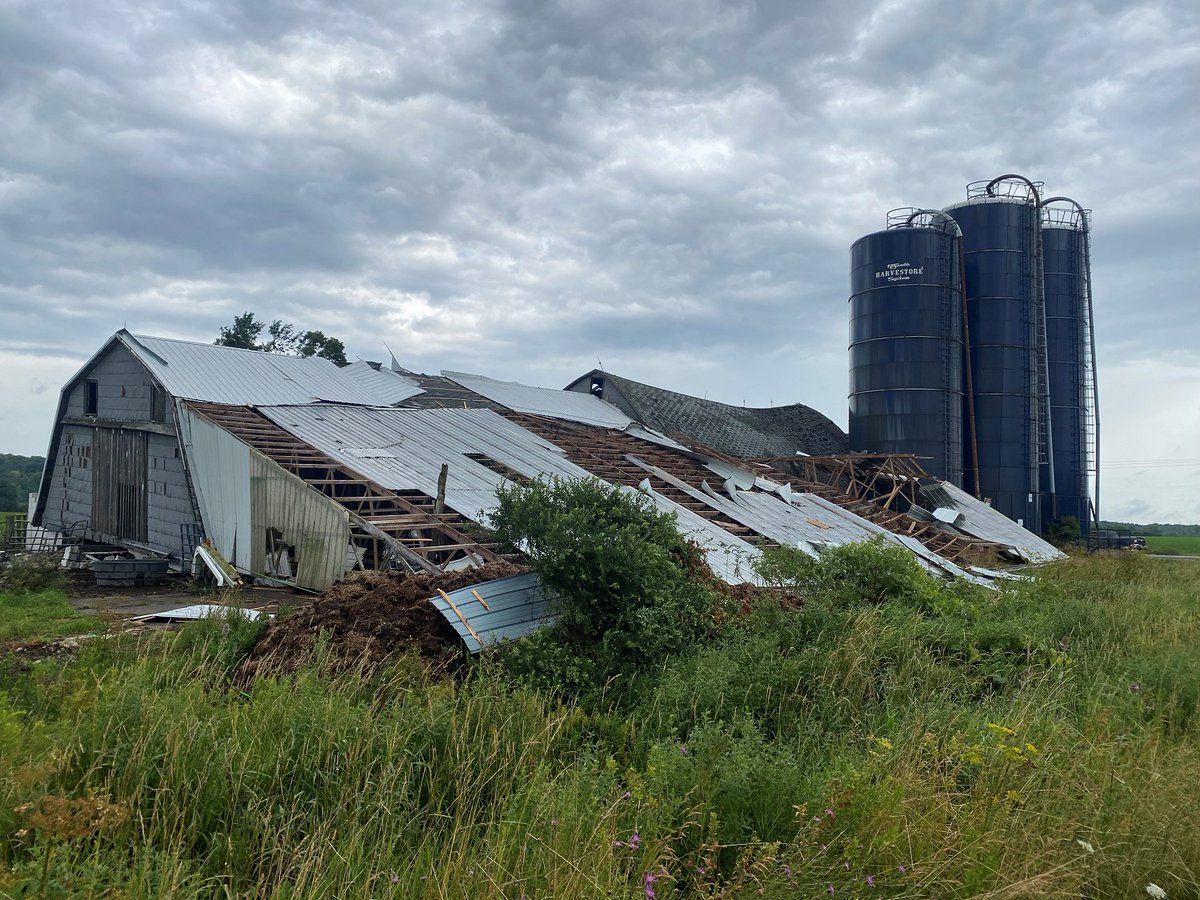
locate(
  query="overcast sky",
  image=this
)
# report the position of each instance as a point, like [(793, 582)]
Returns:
[(522, 189)]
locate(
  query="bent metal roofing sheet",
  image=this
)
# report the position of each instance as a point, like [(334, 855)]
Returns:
[(403, 449), (982, 521), (504, 609), (803, 521), (386, 386)]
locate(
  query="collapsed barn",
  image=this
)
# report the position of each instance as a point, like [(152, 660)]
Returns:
[(299, 471)]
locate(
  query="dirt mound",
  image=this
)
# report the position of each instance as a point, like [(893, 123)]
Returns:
[(369, 617)]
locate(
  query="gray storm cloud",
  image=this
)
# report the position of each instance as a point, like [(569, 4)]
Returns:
[(523, 188)]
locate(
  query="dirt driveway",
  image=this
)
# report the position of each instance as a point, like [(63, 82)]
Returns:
[(120, 603)]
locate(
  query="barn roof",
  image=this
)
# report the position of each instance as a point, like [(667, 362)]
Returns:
[(745, 432)]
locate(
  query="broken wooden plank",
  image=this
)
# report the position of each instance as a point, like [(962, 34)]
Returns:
[(461, 617)]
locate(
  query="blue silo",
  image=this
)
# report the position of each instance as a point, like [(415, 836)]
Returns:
[(1001, 228), (1069, 358), (906, 345)]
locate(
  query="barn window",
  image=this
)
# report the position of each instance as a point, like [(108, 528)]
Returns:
[(158, 404), (92, 397)]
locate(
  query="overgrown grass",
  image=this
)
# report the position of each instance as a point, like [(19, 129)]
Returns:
[(1040, 741)]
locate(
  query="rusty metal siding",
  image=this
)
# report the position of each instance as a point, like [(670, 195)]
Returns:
[(119, 484), (316, 526), (170, 502), (69, 492)]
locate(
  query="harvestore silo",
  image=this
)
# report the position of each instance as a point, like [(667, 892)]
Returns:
[(906, 341), (1070, 342), (1001, 228)]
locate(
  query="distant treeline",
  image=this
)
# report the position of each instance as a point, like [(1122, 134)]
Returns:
[(1157, 529), (19, 476)]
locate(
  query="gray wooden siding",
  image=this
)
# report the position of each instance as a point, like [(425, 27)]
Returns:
[(69, 498), (125, 392), (124, 389)]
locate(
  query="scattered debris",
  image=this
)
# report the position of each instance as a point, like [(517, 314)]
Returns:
[(208, 561), (198, 611)]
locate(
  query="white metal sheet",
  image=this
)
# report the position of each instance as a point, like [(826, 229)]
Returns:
[(220, 469), (570, 405), (206, 372)]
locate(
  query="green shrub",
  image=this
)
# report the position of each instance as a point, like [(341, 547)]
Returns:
[(621, 573), (868, 572)]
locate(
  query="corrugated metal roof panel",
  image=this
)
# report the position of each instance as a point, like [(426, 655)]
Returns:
[(386, 386), (982, 521), (647, 434), (731, 559), (516, 605), (192, 371), (403, 449), (569, 405), (800, 522), (242, 494)]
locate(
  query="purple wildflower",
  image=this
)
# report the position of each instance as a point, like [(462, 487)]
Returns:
[(901, 869), (829, 812), (830, 889), (648, 885), (787, 870), (626, 795), (395, 879), (634, 840), (824, 847), (683, 749), (870, 881)]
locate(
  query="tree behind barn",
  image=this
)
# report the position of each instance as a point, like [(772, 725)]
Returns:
[(282, 338)]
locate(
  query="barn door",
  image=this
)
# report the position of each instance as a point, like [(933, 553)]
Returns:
[(119, 493)]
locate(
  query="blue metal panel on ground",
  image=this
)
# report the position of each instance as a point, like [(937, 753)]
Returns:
[(906, 383), (1066, 350), (1000, 244), (512, 607)]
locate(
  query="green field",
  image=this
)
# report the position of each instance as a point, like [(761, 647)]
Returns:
[(886, 737), (1176, 545)]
